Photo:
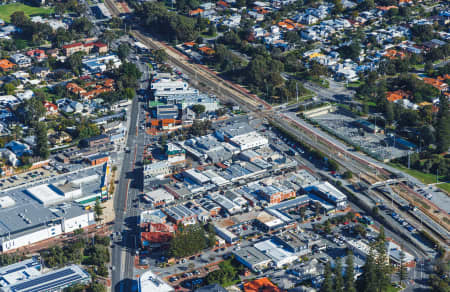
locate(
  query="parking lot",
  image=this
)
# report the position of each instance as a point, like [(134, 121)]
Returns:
[(27, 177)]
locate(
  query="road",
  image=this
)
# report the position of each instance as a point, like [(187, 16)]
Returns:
[(130, 185)]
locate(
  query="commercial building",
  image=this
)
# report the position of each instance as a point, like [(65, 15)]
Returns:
[(184, 101), (249, 141), (252, 258), (12, 274), (32, 214), (225, 203), (156, 234), (159, 197), (150, 282), (329, 193), (276, 193), (196, 176), (53, 281), (96, 141), (167, 112), (180, 214), (279, 255), (97, 159), (156, 169), (175, 154)]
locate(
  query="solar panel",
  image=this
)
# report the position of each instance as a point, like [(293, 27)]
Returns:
[(55, 284), (46, 278)]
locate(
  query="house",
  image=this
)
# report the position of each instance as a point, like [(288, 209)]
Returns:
[(40, 72), (6, 65), (393, 96), (18, 148), (51, 108), (438, 84), (37, 54), (21, 60), (263, 284), (196, 12)]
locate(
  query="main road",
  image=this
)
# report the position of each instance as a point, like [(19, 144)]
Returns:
[(130, 185)]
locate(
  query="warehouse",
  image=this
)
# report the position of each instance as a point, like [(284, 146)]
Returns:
[(249, 141)]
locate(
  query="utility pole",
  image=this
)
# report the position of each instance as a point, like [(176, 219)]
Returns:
[(409, 159), (296, 90)]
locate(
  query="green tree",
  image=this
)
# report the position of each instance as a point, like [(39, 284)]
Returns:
[(30, 111), (160, 56), (339, 284), (75, 62), (19, 19), (123, 51), (349, 277), (9, 88), (443, 125), (198, 108), (98, 210), (327, 284), (367, 281), (389, 112), (41, 148)]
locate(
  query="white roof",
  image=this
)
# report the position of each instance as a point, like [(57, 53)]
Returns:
[(6, 202), (45, 195), (160, 195), (149, 282)]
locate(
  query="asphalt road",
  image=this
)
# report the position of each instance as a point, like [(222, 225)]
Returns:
[(129, 187)]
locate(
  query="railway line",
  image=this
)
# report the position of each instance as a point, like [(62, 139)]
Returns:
[(208, 81)]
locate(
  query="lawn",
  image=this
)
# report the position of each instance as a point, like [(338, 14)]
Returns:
[(7, 10), (426, 178)]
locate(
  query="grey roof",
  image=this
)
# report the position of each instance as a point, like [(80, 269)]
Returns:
[(179, 212), (236, 129), (251, 255), (28, 214)]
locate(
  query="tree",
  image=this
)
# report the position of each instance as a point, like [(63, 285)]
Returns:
[(349, 277), (41, 148), (123, 51), (19, 18), (160, 56), (338, 7), (9, 88), (443, 126), (75, 62), (96, 287), (198, 108), (98, 210), (338, 278), (30, 111), (327, 284), (347, 175), (367, 281), (389, 112)]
